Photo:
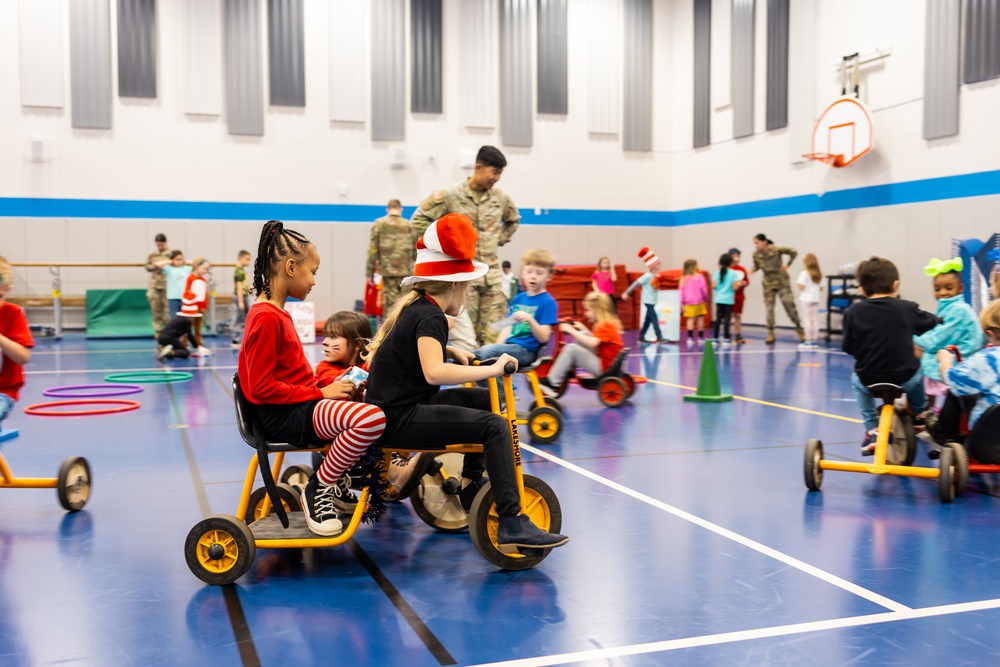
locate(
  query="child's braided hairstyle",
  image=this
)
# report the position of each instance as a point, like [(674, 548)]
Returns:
[(276, 244)]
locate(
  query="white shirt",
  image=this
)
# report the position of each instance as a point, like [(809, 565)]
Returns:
[(811, 291)]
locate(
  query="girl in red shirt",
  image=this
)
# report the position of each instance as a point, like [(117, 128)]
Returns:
[(195, 300), (15, 344), (593, 351), (293, 405)]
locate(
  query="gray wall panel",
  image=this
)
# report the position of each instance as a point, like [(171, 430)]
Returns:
[(982, 40), (426, 38), (637, 134), (286, 53), (90, 63), (941, 68), (515, 73), (244, 79), (702, 72), (742, 69), (553, 91), (137, 48), (388, 70), (777, 64)]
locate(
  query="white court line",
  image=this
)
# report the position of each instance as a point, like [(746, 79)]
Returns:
[(689, 353), (728, 534), (746, 635), (155, 369)]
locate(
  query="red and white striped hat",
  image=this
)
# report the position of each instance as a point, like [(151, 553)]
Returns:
[(446, 251), (648, 256)]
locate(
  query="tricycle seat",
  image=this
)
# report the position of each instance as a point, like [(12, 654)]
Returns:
[(885, 391), (983, 442), (614, 370), (245, 422)]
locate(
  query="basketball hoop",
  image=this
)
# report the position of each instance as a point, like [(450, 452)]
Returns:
[(826, 158)]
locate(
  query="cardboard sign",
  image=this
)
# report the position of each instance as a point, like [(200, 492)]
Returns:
[(304, 318), (668, 310)]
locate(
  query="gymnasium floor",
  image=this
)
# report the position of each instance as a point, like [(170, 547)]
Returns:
[(694, 540)]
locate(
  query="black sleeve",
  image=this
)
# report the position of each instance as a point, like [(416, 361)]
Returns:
[(435, 326), (847, 344), (923, 321)]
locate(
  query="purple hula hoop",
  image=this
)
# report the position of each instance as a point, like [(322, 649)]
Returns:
[(80, 390)]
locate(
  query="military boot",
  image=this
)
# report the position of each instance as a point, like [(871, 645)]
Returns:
[(801, 332), (770, 337)]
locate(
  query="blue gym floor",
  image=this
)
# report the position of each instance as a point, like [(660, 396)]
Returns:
[(694, 539)]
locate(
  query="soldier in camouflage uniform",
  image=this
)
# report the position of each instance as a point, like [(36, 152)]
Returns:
[(767, 258), (393, 247), (495, 217), (156, 293)]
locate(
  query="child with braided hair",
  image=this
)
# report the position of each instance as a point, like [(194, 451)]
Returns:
[(15, 344), (293, 405)]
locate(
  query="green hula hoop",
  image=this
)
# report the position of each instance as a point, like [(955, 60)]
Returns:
[(149, 377)]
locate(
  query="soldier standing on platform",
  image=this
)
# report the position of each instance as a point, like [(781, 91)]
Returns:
[(393, 248), (495, 217), (156, 293), (767, 258)]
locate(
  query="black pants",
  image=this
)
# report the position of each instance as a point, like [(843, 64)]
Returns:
[(180, 350), (723, 313), (651, 319), (461, 416)]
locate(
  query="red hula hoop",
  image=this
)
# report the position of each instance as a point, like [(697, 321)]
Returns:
[(42, 409)]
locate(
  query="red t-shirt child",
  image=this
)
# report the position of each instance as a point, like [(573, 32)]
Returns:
[(13, 325), (611, 342), (740, 296)]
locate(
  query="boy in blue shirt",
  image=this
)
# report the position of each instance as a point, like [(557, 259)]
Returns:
[(532, 313)]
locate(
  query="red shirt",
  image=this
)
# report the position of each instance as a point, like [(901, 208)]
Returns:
[(611, 342), (328, 371), (196, 289), (273, 368), (746, 278), (13, 325)]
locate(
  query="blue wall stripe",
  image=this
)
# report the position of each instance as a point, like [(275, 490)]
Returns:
[(910, 192)]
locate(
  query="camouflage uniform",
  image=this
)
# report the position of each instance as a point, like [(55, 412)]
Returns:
[(496, 218), (776, 283), (393, 245), (156, 293)]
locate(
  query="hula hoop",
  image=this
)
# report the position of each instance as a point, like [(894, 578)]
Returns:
[(42, 409), (150, 377), (81, 390)]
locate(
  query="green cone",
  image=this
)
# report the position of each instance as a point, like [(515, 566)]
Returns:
[(708, 380)]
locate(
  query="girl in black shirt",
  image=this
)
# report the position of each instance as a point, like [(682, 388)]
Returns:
[(408, 364)]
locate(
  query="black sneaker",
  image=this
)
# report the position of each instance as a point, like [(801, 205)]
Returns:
[(868, 444), (547, 389), (468, 494), (343, 499), (518, 531), (318, 505)]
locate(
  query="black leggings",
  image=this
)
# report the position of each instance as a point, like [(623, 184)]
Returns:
[(460, 416), (180, 350), (723, 312)]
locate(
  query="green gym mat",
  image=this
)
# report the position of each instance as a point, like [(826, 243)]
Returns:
[(118, 313)]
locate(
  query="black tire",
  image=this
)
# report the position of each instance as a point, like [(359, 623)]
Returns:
[(296, 475), (550, 402), (946, 482), (434, 505), (540, 504), (612, 391), (961, 461), (902, 449), (220, 549), (74, 483), (545, 425), (813, 473), (289, 499)]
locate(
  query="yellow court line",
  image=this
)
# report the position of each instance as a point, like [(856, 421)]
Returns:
[(767, 403)]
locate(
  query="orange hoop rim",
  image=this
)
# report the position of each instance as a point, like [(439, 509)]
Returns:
[(43, 409), (827, 158)]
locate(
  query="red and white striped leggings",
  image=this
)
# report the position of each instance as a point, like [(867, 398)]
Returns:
[(352, 427)]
